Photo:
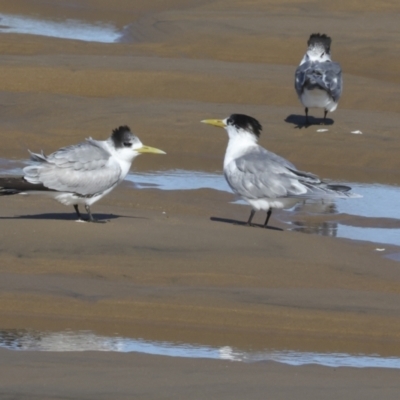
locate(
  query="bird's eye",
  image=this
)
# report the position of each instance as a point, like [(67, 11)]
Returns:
[(229, 121), (127, 144), (322, 54)]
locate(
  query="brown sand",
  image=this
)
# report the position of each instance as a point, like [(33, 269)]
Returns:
[(164, 268)]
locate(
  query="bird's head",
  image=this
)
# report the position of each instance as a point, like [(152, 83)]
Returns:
[(238, 126), (319, 47), (128, 146)]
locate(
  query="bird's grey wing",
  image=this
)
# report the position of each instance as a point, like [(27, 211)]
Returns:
[(300, 77), (85, 169), (332, 78), (325, 75), (260, 153), (317, 188), (258, 175)]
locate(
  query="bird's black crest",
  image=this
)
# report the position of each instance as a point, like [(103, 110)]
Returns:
[(318, 39), (120, 135), (245, 122)]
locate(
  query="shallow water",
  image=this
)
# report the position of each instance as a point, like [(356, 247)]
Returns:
[(381, 205), (375, 217), (69, 29), (378, 201), (179, 179), (89, 341), (12, 167)]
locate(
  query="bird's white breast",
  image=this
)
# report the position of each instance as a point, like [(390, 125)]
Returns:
[(318, 98), (237, 147), (125, 167)]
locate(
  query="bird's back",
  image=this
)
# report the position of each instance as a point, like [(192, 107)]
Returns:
[(325, 76)]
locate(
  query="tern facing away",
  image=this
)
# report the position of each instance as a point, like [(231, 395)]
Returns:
[(318, 80), (82, 173), (264, 179)]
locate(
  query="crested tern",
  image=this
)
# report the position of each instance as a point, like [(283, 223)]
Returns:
[(82, 173), (264, 179), (318, 80)]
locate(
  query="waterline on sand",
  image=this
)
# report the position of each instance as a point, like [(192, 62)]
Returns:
[(25, 340)]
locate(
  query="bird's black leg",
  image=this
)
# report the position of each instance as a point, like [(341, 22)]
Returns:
[(323, 121), (91, 219), (251, 217), (307, 120), (269, 212), (77, 212)]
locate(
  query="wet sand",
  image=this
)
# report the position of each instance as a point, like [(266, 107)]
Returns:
[(172, 266)]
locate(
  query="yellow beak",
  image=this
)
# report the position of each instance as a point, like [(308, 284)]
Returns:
[(216, 122), (148, 149)]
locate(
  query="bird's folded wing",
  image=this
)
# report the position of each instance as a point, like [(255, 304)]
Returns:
[(257, 176), (327, 75), (85, 169), (302, 71), (321, 189)]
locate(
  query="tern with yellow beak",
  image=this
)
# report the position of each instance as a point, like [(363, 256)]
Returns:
[(81, 173), (264, 179)]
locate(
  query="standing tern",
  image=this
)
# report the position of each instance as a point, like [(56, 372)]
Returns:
[(318, 80), (264, 179), (82, 173)]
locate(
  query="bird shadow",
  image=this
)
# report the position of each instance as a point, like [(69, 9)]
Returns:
[(69, 217), (300, 121), (241, 223)]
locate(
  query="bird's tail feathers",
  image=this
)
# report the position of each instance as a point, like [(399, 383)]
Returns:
[(343, 191), (16, 185), (9, 186), (8, 191), (339, 188), (38, 157), (325, 190)]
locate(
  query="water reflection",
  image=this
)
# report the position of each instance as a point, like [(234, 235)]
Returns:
[(327, 228), (69, 29), (375, 217), (317, 207), (377, 202), (88, 341), (323, 228)]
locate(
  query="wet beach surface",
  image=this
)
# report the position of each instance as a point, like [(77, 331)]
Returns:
[(173, 297)]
